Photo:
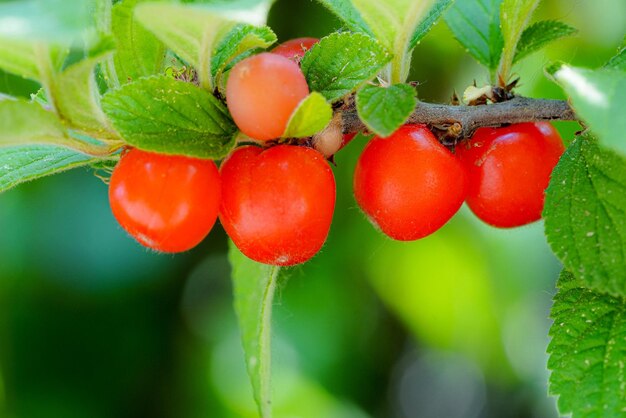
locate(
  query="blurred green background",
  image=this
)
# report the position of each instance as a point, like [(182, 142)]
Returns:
[(455, 325)]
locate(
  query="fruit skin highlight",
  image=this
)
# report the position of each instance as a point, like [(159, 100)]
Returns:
[(295, 49), (167, 203), (409, 185), (262, 92), (278, 203), (509, 170)]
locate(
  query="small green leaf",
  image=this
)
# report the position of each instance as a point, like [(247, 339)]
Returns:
[(584, 215), (587, 351), (25, 163), (241, 39), (139, 53), (433, 15), (341, 63), (51, 21), (476, 25), (254, 286), (77, 97), (599, 98), (618, 62), (346, 11), (385, 109), (191, 32), (310, 117), (539, 34), (514, 17), (165, 115)]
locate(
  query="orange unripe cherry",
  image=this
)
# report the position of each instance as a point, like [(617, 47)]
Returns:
[(262, 92)]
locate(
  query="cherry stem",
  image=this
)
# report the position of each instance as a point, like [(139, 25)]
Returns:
[(452, 124)]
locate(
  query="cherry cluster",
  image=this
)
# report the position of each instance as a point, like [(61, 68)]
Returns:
[(276, 201), (410, 185)]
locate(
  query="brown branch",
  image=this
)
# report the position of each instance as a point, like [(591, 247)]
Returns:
[(454, 123)]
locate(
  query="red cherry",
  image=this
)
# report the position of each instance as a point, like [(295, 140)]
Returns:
[(262, 92), (409, 185), (509, 170), (278, 203), (167, 203), (295, 48)]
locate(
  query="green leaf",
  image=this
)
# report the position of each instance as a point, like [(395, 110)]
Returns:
[(341, 63), (310, 117), (587, 351), (254, 286), (599, 98), (394, 23), (433, 15), (539, 34), (514, 17), (346, 11), (476, 25), (77, 97), (28, 123), (385, 109), (584, 215), (191, 32), (241, 39), (139, 53), (618, 62), (168, 116), (45, 20), (30, 59), (25, 163), (392, 18)]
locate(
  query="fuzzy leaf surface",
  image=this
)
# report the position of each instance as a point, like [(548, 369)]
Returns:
[(310, 117), (161, 114), (539, 34), (599, 98), (584, 215), (587, 351), (476, 25), (254, 285), (385, 109), (29, 162), (341, 63)]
